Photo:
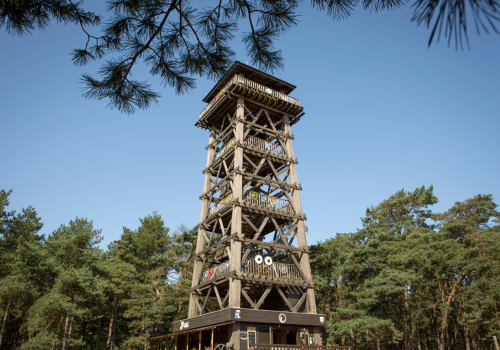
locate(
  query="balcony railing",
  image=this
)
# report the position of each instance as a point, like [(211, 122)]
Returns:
[(256, 199), (222, 203), (249, 83), (215, 271), (278, 270), (299, 347), (275, 270), (266, 146), (263, 200), (224, 149)]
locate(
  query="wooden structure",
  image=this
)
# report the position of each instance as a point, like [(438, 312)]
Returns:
[(251, 275)]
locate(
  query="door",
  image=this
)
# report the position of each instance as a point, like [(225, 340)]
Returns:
[(302, 337)]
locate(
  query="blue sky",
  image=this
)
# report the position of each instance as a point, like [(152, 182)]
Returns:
[(383, 112)]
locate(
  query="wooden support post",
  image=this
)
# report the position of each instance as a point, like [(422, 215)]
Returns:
[(198, 265), (496, 342), (187, 341), (175, 346), (301, 232), (235, 284), (199, 341), (212, 340)]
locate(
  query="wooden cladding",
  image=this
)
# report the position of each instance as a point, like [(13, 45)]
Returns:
[(238, 80)]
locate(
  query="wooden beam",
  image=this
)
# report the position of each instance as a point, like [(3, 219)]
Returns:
[(250, 301), (285, 299), (300, 302), (219, 243), (275, 246), (272, 280), (225, 299), (263, 297), (218, 296), (206, 299)]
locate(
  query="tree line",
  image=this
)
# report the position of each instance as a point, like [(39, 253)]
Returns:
[(409, 279)]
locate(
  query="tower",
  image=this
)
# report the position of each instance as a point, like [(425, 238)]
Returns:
[(252, 281)]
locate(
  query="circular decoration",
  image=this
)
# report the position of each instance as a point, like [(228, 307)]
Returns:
[(268, 261), (259, 259), (227, 264), (206, 274), (282, 318), (210, 272), (283, 269), (269, 91), (222, 267)]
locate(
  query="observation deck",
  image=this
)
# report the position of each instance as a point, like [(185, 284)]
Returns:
[(265, 91)]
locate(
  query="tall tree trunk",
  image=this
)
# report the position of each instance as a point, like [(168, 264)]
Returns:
[(437, 335), (111, 324), (474, 344), (416, 319), (353, 339), (66, 326), (444, 325), (368, 341), (378, 341), (466, 333), (84, 327), (403, 327), (69, 332), (408, 318), (4, 322), (113, 338)]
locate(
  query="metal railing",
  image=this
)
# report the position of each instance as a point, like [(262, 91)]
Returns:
[(263, 200), (241, 80), (265, 146)]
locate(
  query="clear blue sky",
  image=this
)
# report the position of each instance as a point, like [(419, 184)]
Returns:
[(383, 112)]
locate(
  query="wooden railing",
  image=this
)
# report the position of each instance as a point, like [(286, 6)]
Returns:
[(267, 90), (265, 146), (224, 148), (222, 203), (275, 270), (279, 270), (240, 80), (257, 199), (215, 271), (263, 200), (299, 347)]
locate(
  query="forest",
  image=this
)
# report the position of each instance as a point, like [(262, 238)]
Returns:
[(408, 279)]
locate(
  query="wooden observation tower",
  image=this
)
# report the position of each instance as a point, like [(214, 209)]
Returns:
[(252, 281)]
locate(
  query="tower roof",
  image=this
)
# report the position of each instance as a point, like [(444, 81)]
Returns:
[(252, 74)]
